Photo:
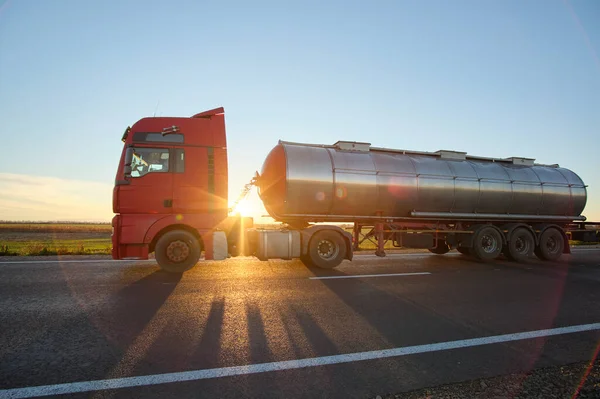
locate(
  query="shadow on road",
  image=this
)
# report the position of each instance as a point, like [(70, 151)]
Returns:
[(317, 338), (91, 338), (537, 295), (389, 305), (206, 354), (257, 337), (151, 290)]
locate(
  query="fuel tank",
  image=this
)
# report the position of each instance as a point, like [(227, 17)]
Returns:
[(350, 181)]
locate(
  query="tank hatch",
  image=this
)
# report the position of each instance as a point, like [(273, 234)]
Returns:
[(452, 155), (352, 146), (521, 161)]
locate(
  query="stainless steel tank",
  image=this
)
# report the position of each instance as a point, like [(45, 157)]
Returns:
[(351, 181)]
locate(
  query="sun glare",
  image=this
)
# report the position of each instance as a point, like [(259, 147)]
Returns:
[(243, 208), (251, 206)]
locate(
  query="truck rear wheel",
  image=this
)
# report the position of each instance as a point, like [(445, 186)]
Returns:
[(487, 243), (551, 245), (520, 245), (326, 250), (177, 251)]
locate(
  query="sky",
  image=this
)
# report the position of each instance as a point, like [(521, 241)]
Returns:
[(491, 78)]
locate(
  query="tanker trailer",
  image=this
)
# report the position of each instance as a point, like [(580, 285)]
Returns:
[(436, 200)]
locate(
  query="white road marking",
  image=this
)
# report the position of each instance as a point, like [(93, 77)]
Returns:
[(194, 375), (78, 261), (393, 255), (368, 275)]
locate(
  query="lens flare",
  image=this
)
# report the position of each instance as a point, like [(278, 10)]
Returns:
[(341, 192)]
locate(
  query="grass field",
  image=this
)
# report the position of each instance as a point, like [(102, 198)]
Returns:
[(54, 239), (55, 227)]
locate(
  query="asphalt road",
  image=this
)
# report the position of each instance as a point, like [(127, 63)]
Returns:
[(245, 328)]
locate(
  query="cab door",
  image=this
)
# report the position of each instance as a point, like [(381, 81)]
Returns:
[(200, 181), (150, 187), (191, 186)]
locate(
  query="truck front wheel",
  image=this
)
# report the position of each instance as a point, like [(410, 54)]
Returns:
[(177, 251), (326, 250)]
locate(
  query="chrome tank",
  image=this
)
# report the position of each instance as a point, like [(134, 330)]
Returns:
[(350, 181)]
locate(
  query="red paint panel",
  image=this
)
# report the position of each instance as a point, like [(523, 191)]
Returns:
[(146, 194)]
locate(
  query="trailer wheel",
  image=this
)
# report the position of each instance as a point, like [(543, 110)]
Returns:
[(440, 249), (487, 243), (520, 245), (551, 245), (326, 250), (177, 251)]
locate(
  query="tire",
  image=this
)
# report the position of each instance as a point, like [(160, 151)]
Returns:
[(487, 243), (521, 245), (442, 248), (326, 250), (177, 251), (464, 250), (551, 245)]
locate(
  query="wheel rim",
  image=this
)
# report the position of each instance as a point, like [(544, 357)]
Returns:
[(551, 245), (327, 249), (522, 245), (489, 244), (178, 251)]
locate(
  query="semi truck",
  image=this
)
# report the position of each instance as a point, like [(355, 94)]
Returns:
[(171, 198)]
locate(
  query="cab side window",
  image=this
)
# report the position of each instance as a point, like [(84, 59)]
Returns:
[(149, 160)]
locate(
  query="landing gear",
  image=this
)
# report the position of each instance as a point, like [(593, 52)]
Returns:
[(464, 250), (441, 248)]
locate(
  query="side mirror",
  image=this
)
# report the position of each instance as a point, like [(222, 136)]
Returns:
[(127, 171)]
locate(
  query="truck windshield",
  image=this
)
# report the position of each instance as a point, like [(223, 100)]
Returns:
[(149, 160)]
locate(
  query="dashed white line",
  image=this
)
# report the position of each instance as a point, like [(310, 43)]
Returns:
[(368, 275), (194, 375), (396, 255)]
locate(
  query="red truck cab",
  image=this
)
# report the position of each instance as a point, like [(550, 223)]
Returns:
[(171, 188)]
